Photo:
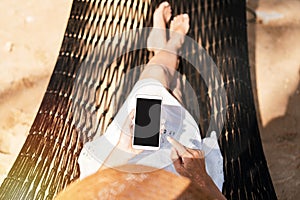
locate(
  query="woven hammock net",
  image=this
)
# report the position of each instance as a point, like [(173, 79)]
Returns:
[(81, 101)]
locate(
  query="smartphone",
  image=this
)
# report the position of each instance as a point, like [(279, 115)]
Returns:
[(146, 134)]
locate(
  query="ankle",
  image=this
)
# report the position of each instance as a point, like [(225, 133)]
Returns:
[(172, 47)]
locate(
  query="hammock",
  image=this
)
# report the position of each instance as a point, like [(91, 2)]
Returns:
[(81, 101)]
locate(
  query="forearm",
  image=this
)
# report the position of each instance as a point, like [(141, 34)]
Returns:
[(116, 158), (207, 185)]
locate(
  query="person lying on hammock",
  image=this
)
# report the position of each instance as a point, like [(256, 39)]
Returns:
[(125, 182), (114, 147)]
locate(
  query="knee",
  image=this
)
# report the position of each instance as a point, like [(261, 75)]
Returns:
[(157, 72)]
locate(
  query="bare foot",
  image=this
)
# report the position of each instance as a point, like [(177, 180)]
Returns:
[(157, 37), (178, 29)]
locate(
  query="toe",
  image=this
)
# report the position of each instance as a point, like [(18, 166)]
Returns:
[(186, 18), (171, 23), (181, 18), (167, 13), (163, 5)]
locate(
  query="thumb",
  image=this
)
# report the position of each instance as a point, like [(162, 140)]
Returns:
[(176, 160), (128, 124), (174, 155)]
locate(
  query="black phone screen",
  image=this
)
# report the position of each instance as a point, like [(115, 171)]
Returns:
[(147, 122)]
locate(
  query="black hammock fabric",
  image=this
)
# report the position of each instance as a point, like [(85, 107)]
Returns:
[(94, 73)]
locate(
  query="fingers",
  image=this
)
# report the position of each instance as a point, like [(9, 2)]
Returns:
[(182, 153), (201, 154), (131, 114), (187, 162), (128, 124), (180, 149), (194, 153), (175, 158), (174, 155), (177, 162)]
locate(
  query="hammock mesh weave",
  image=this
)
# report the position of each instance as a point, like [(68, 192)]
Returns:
[(81, 101)]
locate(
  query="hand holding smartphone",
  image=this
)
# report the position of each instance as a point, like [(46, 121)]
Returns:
[(146, 134)]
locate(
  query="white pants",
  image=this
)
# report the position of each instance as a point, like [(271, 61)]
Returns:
[(177, 123)]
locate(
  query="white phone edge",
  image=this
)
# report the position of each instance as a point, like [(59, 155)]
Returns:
[(141, 147)]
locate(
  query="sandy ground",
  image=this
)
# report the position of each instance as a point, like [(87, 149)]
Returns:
[(31, 33), (30, 37), (276, 65)]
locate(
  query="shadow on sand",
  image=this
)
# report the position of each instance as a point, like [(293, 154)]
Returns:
[(281, 139)]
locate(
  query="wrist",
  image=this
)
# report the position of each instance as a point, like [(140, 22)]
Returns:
[(118, 157)]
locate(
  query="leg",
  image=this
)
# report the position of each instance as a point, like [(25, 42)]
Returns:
[(163, 66), (157, 37), (177, 86)]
